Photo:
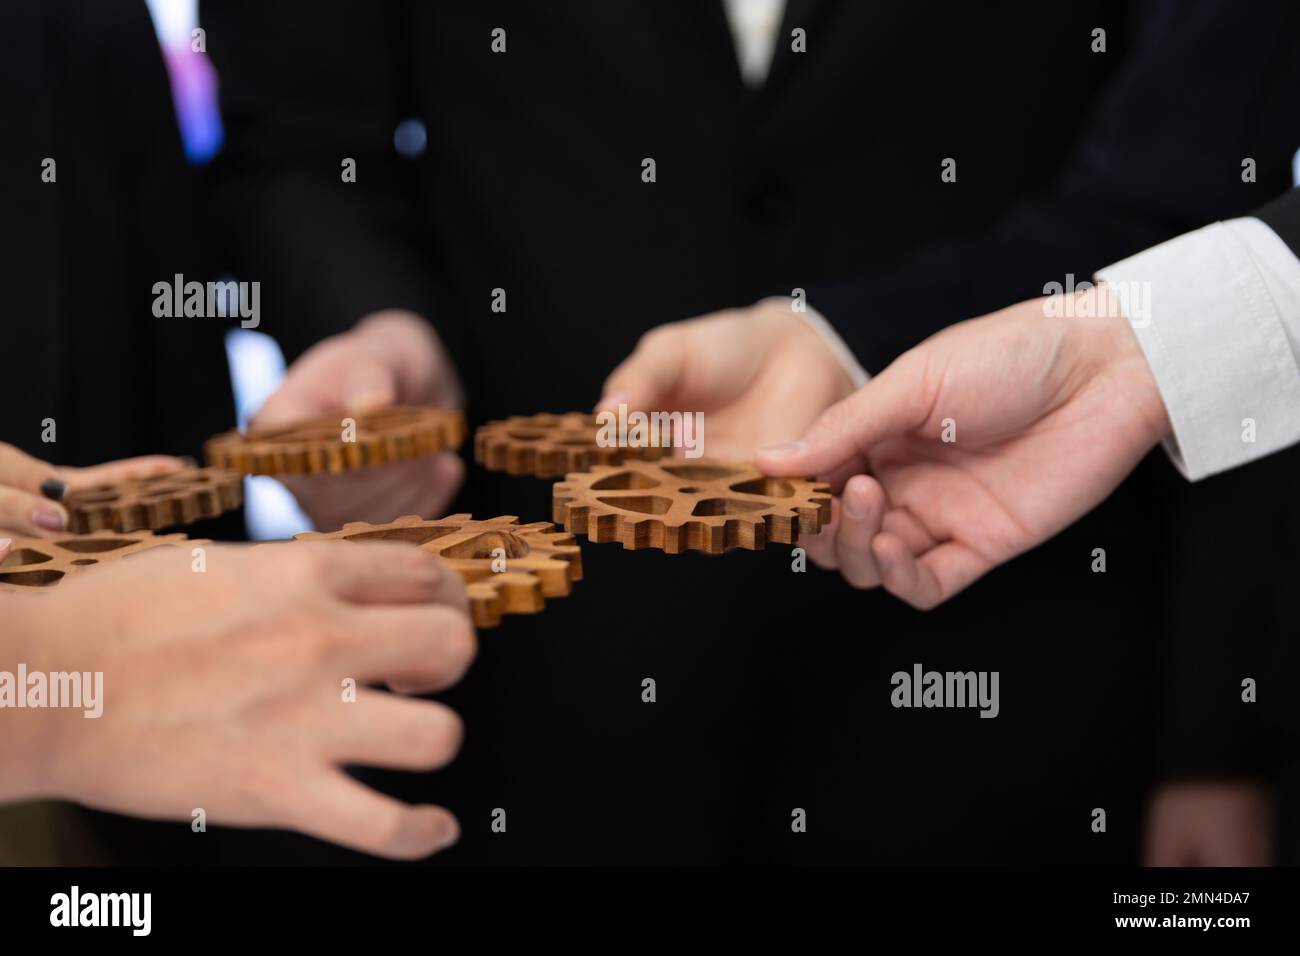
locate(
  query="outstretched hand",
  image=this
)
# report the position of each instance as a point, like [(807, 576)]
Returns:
[(979, 444)]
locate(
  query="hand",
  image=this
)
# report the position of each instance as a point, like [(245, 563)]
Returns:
[(223, 690), (388, 358), (760, 375), (1046, 416), (1215, 823), (27, 509)]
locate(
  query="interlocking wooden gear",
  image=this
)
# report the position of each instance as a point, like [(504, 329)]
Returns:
[(539, 561), (317, 446), (548, 446), (162, 501), (34, 564), (700, 505)]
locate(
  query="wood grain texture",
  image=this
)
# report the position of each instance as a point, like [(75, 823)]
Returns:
[(317, 446), (548, 445), (35, 564), (539, 562), (149, 504), (682, 505)]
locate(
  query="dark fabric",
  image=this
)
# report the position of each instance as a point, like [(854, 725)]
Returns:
[(1283, 216), (773, 686), (83, 82)]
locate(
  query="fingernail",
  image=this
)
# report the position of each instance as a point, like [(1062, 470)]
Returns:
[(855, 505), (448, 834), (613, 400), (53, 489), (5, 542), (781, 451), (51, 519)]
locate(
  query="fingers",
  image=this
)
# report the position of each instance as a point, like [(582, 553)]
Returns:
[(5, 545), (22, 513), (146, 466), (22, 471), (394, 733), (648, 377), (889, 405), (861, 513), (336, 808), (367, 386), (378, 572), (417, 649), (928, 579)]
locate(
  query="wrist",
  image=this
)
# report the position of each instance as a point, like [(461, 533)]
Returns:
[(809, 332), (1109, 346)]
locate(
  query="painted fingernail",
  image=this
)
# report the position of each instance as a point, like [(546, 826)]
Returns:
[(789, 448), (53, 489), (49, 518)]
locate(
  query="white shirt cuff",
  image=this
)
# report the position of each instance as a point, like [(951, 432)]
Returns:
[(1216, 312), (817, 322)]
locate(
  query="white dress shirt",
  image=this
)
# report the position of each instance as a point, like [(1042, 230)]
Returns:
[(1217, 312)]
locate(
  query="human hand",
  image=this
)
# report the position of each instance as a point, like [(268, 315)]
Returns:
[(1210, 823), (30, 489), (759, 375), (224, 690), (1046, 416), (389, 358)]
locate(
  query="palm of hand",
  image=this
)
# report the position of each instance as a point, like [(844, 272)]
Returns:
[(1025, 459)]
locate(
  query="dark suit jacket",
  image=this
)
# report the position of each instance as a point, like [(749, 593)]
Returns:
[(773, 686), (82, 82)]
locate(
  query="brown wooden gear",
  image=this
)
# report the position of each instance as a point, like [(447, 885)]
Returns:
[(34, 564), (540, 562), (316, 446), (182, 497), (682, 505), (548, 446)]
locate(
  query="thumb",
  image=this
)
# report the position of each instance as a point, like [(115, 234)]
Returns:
[(889, 405), (649, 377), (369, 385)]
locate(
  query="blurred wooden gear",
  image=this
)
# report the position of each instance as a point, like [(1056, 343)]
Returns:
[(547, 445), (161, 501), (317, 446)]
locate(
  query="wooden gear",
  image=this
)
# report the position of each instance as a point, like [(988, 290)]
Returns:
[(34, 564), (683, 505), (317, 446), (548, 446), (162, 501), (539, 561)]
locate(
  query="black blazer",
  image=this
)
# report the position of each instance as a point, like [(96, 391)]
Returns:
[(774, 686), (82, 82)]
